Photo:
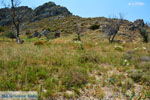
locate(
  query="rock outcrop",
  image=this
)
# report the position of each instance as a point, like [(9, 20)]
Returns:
[(5, 16), (139, 23), (24, 13), (46, 10), (50, 9)]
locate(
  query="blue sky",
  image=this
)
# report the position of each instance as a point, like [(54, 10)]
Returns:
[(131, 9)]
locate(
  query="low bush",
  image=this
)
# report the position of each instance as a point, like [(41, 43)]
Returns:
[(28, 33), (94, 27), (145, 35), (36, 73), (74, 78), (2, 29), (9, 35), (38, 43), (7, 85), (89, 57)]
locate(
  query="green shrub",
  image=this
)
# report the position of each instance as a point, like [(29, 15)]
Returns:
[(31, 75), (2, 29), (147, 93), (13, 64), (7, 85), (51, 35), (136, 75), (28, 33), (116, 79), (50, 85), (94, 27), (141, 73), (144, 34), (146, 79), (9, 35), (35, 73), (127, 84), (42, 73)]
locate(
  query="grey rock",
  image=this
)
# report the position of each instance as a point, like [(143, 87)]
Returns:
[(4, 22), (23, 13), (139, 23), (57, 34), (131, 27), (49, 9), (130, 52), (145, 58), (136, 24), (56, 17), (36, 34), (5, 16), (45, 33)]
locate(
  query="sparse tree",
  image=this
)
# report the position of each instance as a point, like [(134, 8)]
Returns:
[(79, 37), (78, 32), (16, 17), (113, 29)]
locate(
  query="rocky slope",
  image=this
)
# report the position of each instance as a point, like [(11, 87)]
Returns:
[(56, 18), (46, 10), (50, 9), (68, 25), (5, 14)]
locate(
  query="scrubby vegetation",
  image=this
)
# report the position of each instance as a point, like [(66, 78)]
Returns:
[(2, 29), (10, 35), (145, 35), (80, 64), (60, 67), (94, 27)]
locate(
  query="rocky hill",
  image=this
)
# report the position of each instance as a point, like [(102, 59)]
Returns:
[(50, 9), (66, 69), (50, 16), (58, 65), (128, 31), (46, 10)]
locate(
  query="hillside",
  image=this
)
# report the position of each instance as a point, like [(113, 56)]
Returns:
[(31, 15), (64, 68), (128, 32)]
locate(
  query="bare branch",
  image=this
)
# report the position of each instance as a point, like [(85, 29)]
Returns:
[(121, 16)]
